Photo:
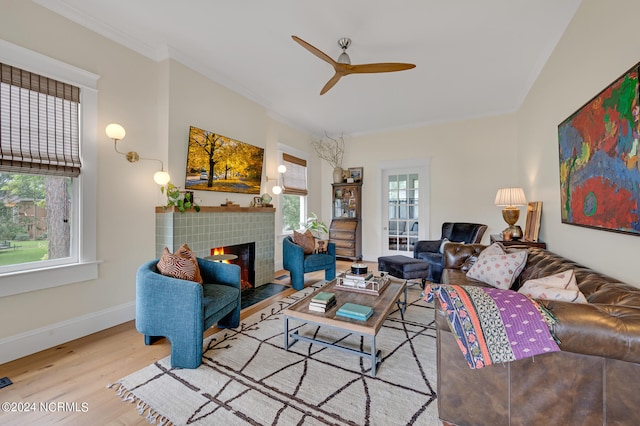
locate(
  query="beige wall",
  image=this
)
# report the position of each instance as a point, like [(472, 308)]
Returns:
[(599, 45), (468, 161), (156, 103)]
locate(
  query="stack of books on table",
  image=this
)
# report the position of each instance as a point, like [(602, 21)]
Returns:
[(322, 302), (356, 280), (355, 311)]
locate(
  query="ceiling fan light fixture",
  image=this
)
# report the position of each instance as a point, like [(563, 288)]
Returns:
[(344, 43), (344, 59)]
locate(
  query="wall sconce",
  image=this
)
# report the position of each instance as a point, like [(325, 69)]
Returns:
[(510, 199), (116, 132), (277, 189)]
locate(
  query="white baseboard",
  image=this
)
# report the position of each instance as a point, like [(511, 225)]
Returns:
[(33, 341)]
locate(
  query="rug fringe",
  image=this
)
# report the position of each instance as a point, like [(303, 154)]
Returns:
[(152, 416)]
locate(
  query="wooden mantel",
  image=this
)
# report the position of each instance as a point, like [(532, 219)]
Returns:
[(218, 209)]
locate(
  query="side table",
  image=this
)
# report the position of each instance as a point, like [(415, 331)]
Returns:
[(498, 238)]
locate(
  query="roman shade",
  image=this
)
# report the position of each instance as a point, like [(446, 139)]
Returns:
[(39, 127), (295, 179)]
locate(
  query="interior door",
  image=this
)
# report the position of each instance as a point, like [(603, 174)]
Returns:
[(401, 212)]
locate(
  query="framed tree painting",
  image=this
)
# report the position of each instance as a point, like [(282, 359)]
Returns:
[(599, 169), (219, 163)]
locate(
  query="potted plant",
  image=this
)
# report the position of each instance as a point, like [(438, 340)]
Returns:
[(182, 200), (331, 150), (316, 226)]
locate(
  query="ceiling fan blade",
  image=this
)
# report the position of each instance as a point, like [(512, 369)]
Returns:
[(330, 83), (319, 53), (381, 67)]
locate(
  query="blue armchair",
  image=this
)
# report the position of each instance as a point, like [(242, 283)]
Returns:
[(429, 250), (182, 310), (297, 263)]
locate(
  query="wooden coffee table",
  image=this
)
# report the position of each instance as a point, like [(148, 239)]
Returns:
[(381, 305)]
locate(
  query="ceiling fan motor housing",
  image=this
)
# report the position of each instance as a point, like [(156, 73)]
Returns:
[(344, 43)]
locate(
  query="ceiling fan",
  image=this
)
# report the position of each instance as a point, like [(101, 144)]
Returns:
[(343, 65)]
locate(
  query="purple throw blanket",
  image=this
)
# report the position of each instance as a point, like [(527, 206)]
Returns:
[(494, 326)]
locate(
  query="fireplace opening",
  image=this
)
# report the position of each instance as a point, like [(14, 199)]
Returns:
[(246, 258)]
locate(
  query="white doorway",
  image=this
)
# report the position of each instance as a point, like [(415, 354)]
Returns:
[(404, 209)]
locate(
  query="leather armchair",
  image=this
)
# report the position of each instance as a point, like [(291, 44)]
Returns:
[(429, 250), (297, 263), (182, 310)]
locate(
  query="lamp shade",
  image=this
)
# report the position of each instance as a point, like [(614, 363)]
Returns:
[(276, 190), (115, 131), (510, 197), (161, 177), (282, 168)]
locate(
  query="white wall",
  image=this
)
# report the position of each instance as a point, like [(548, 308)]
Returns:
[(600, 44), (156, 103)]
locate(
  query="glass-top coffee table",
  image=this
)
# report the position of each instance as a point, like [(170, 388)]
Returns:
[(381, 304)]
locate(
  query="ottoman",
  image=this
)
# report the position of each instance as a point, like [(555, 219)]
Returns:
[(404, 267)]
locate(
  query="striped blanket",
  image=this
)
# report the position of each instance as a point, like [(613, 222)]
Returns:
[(494, 326)]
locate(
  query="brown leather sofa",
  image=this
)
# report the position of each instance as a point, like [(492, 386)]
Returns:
[(594, 380)]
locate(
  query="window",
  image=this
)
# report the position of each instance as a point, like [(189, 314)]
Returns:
[(294, 195), (48, 114)]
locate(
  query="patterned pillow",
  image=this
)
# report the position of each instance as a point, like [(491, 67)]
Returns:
[(471, 260), (321, 246), (306, 241), (497, 268), (561, 286), (182, 265), (495, 248)]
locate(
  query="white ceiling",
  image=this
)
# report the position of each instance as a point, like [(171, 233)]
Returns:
[(473, 58)]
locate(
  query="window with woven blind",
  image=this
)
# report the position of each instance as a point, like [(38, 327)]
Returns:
[(48, 205), (39, 127), (295, 179)]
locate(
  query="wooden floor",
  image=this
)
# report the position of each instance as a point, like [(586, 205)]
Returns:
[(79, 371)]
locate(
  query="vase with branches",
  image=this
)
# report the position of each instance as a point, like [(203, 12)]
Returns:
[(330, 150)]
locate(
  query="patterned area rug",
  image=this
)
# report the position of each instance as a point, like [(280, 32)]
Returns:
[(247, 378)]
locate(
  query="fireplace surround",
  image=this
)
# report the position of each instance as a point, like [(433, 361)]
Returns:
[(218, 227)]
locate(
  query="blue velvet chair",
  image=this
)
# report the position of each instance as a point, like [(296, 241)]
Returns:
[(182, 310), (297, 263), (429, 250)]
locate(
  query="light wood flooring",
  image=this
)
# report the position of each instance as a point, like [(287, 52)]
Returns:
[(79, 372)]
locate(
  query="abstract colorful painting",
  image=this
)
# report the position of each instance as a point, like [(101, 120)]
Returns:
[(599, 170)]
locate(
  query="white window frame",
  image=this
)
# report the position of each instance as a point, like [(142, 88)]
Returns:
[(82, 265)]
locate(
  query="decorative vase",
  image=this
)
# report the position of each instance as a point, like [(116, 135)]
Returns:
[(337, 175)]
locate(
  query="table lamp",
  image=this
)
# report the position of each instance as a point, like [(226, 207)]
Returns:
[(511, 199)]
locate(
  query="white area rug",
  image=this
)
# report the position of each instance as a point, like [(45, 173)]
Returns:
[(248, 378)]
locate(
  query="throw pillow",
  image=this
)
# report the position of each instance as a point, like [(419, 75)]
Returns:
[(182, 264), (495, 248), (321, 246), (561, 286), (497, 268), (306, 241), (471, 260), (445, 241), (442, 244)]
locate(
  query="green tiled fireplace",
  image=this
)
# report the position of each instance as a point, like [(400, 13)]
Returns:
[(218, 227)]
